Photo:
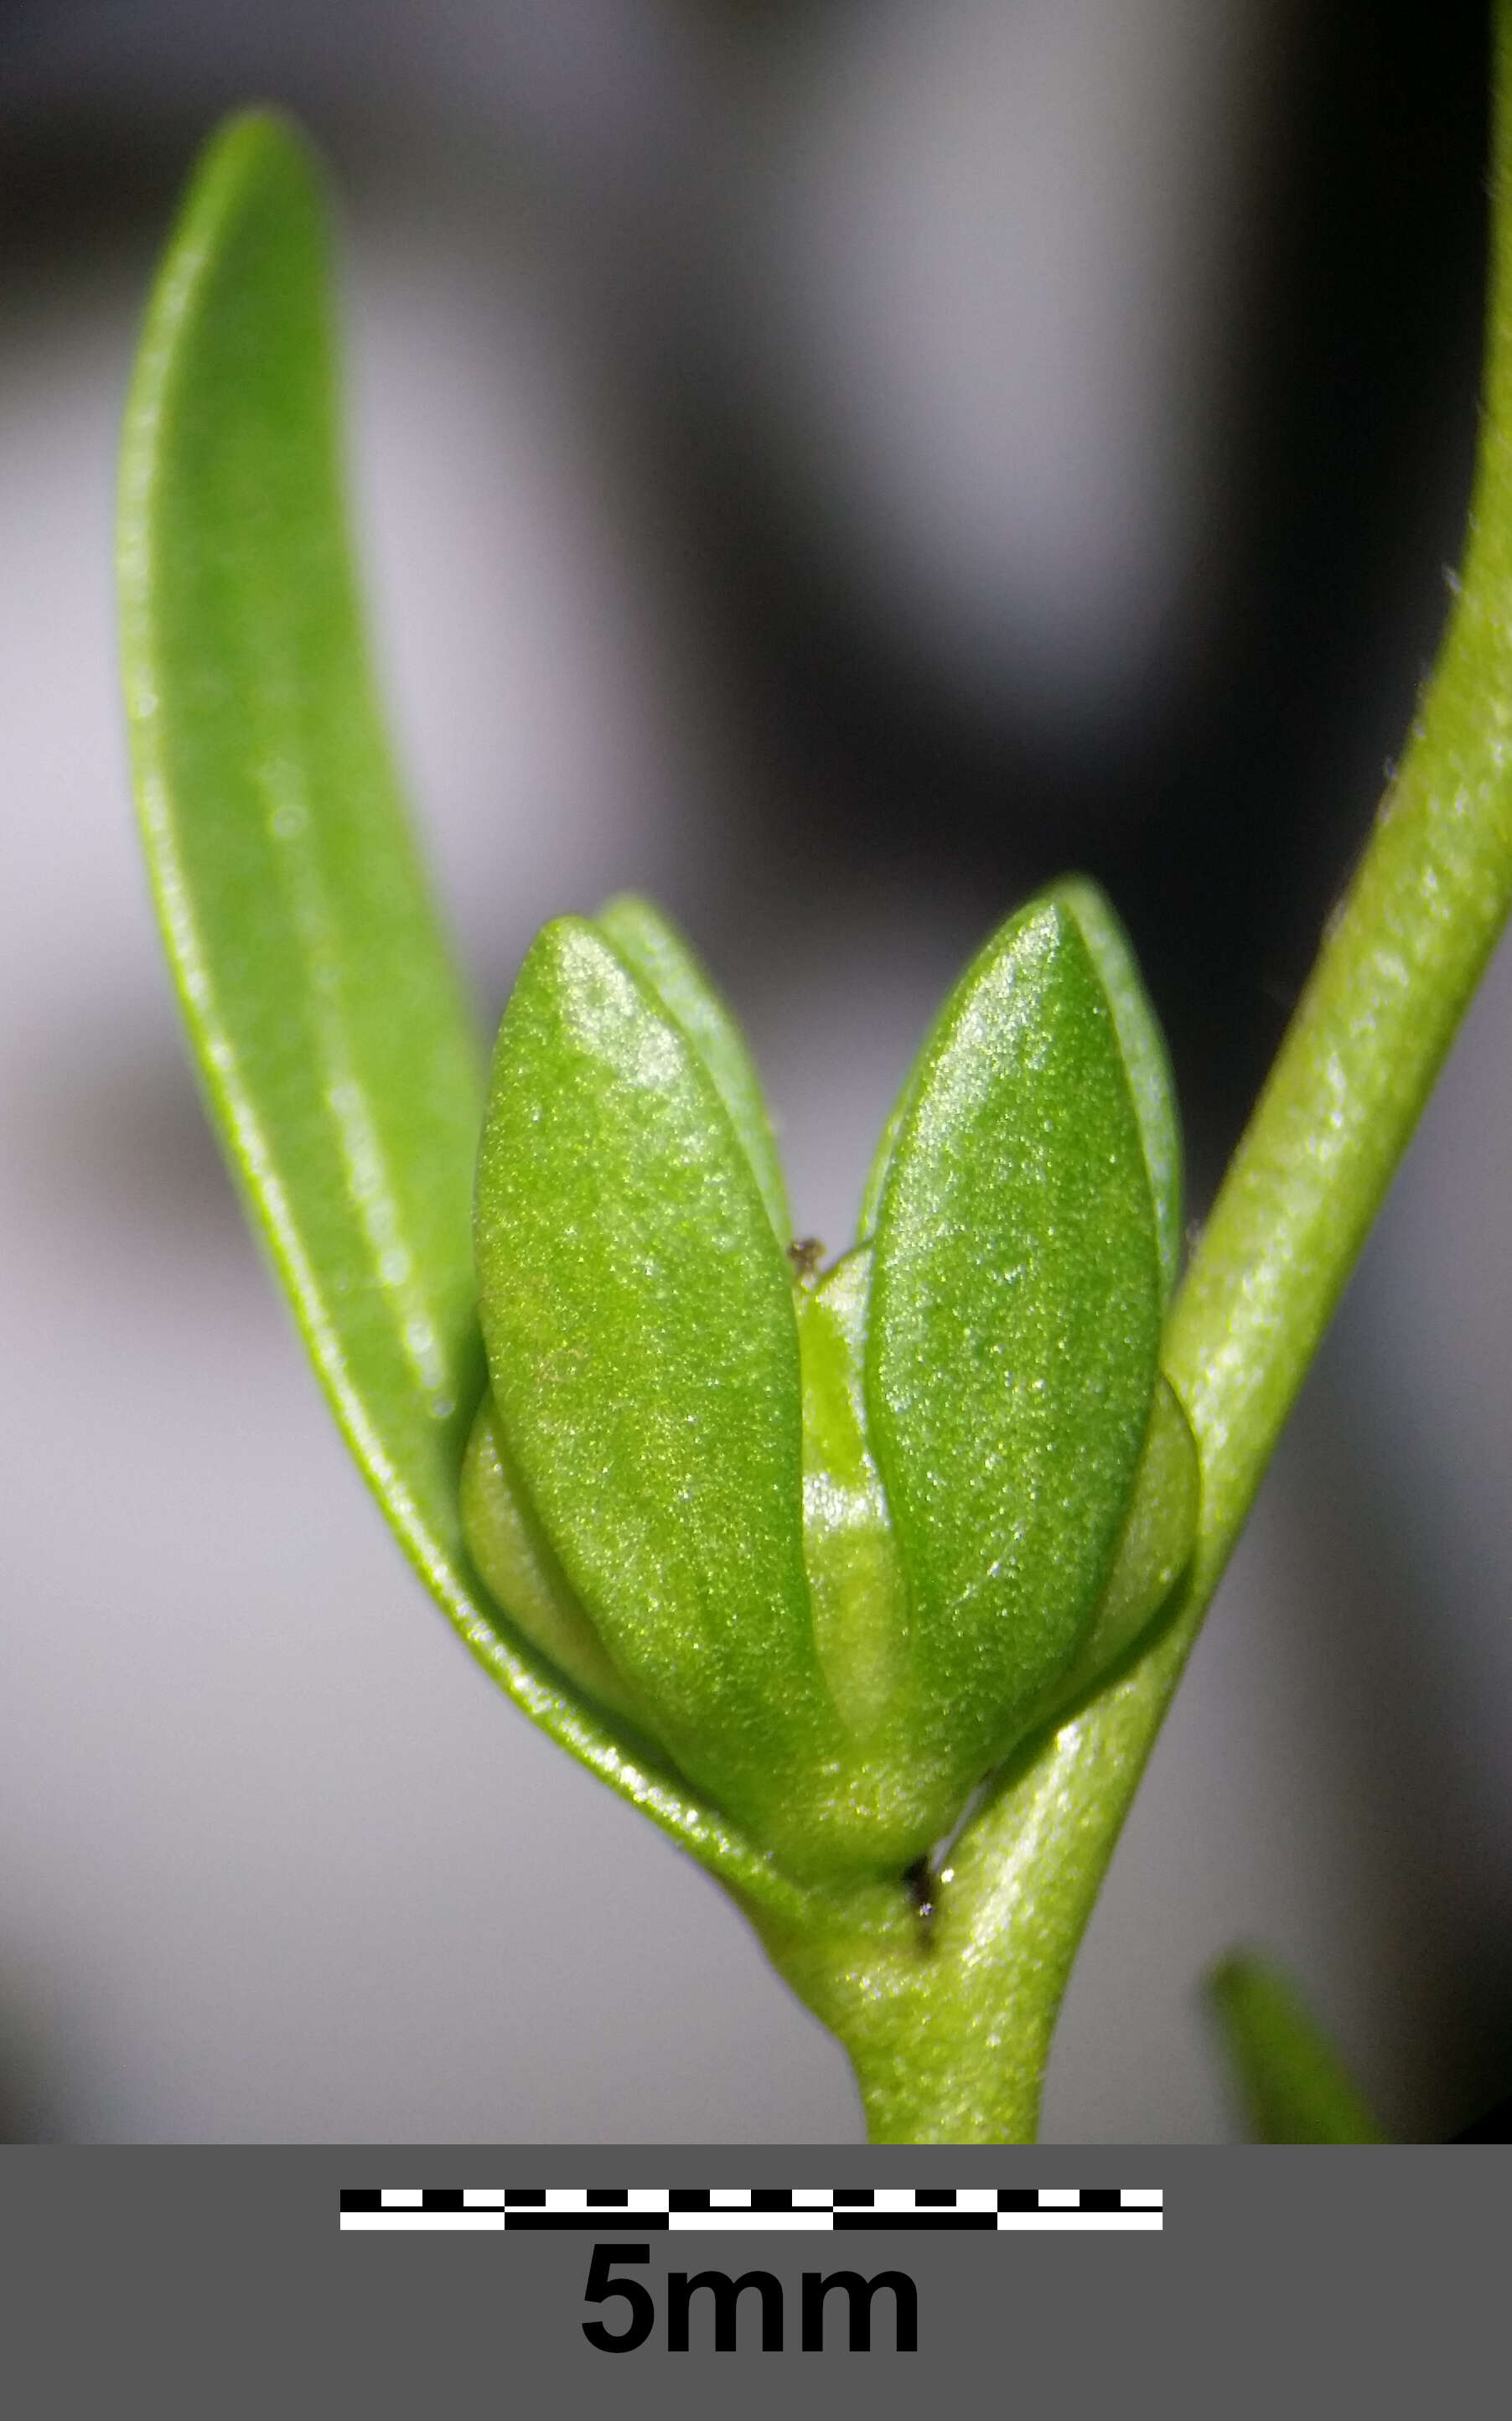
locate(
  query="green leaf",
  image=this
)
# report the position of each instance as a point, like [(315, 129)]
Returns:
[(315, 978), (332, 1039), (860, 1594), (1156, 1546), (638, 1311), (1293, 2086), (881, 1159), (649, 943), (897, 1787), (515, 1558), (1014, 1326), (1146, 1065), (1146, 1060)]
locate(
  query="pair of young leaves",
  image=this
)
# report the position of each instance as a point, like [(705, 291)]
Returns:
[(836, 1545)]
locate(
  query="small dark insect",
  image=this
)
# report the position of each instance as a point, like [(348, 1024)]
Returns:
[(920, 1882), (805, 1256)]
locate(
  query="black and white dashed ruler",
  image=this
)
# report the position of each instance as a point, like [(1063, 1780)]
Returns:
[(1006, 2209)]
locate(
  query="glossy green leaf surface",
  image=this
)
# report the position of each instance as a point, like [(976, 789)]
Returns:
[(514, 1557), (336, 1055), (1154, 1549), (649, 943), (642, 1348), (317, 982), (1146, 1065), (1014, 1325), (1292, 2084), (1146, 1060)]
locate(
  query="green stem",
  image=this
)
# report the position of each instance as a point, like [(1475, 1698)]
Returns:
[(949, 2023)]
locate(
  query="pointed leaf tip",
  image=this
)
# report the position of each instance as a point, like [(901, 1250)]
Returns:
[(650, 943), (316, 982), (1292, 2082), (1146, 1059), (1015, 1324)]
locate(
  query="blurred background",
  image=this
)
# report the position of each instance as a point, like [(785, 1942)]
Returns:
[(833, 464)]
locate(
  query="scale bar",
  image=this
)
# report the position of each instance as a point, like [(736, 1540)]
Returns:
[(784, 2210)]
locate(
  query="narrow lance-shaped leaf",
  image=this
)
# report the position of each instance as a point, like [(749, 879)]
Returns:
[(1014, 1326), (315, 977), (644, 1357), (332, 1038), (1292, 2084)]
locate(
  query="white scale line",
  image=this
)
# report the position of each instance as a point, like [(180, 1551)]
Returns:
[(1042, 2223)]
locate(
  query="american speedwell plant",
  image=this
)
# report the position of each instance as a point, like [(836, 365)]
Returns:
[(869, 1584)]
